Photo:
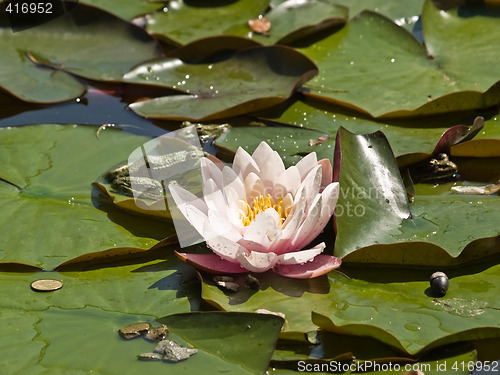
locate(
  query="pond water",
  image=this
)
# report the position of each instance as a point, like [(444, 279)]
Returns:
[(96, 107)]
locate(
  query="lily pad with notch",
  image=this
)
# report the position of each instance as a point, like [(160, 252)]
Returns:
[(371, 183), (37, 64), (248, 81), (374, 52), (45, 179)]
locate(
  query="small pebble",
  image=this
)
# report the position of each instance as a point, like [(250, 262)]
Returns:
[(223, 278), (173, 352), (252, 282), (134, 330), (439, 284), (157, 334), (150, 357), (226, 283)]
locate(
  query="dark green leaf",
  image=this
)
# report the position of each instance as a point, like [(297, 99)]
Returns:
[(185, 21), (294, 20), (87, 42), (373, 201), (45, 193), (371, 51), (250, 80), (225, 334)]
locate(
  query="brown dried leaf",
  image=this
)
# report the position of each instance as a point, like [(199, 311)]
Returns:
[(259, 25)]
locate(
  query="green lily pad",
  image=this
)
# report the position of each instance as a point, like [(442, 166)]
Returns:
[(20, 351), (323, 358), (373, 200), (403, 14), (45, 185), (74, 329), (250, 80), (277, 294), (406, 137), (294, 20), (185, 21), (291, 143), (89, 342), (226, 334), (86, 42), (332, 346), (210, 47), (479, 148), (402, 315), (219, 349), (372, 51), (394, 309), (154, 288), (126, 10)]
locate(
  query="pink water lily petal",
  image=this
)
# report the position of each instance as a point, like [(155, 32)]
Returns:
[(272, 168), (230, 180), (243, 163), (307, 163), (253, 246), (196, 218), (218, 225), (283, 243), (294, 179), (254, 187), (257, 262), (320, 265), (181, 197), (264, 228), (224, 248), (261, 153), (214, 198), (330, 197), (318, 216), (302, 256), (310, 185), (211, 263), (235, 208), (327, 172), (287, 182), (209, 169), (310, 227)]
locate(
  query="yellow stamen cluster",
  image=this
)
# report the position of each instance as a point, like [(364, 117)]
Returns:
[(260, 204)]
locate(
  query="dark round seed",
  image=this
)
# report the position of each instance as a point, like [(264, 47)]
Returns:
[(439, 284)]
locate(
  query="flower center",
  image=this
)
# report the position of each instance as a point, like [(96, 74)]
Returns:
[(260, 204)]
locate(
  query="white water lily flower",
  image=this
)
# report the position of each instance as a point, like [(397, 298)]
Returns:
[(258, 216)]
